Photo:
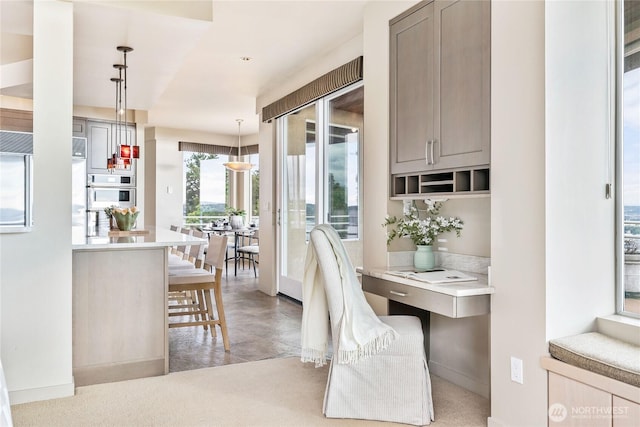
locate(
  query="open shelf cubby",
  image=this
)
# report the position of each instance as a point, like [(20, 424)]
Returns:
[(472, 181)]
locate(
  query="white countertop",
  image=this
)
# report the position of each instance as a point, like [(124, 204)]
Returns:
[(457, 289), (157, 237)]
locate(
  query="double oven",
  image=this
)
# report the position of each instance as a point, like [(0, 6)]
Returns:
[(104, 191)]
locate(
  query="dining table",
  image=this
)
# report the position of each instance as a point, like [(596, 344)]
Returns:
[(238, 235)]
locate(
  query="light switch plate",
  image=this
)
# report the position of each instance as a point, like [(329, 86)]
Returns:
[(516, 370)]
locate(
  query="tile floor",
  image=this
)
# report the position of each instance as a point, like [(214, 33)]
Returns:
[(260, 327)]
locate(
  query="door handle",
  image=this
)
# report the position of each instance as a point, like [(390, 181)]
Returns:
[(278, 217)]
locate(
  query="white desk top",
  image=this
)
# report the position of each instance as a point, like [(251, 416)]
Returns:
[(157, 237), (456, 289)]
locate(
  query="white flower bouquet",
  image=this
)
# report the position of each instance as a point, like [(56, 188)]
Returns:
[(421, 231)]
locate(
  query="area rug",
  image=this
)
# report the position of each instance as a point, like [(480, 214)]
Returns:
[(273, 392)]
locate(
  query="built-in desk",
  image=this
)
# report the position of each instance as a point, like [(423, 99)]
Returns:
[(412, 297), (119, 315), (458, 299)]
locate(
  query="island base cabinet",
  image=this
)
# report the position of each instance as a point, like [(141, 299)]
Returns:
[(119, 316)]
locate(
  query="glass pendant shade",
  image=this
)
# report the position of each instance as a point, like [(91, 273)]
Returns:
[(238, 166), (125, 151)]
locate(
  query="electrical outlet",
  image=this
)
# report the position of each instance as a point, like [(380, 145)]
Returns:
[(516, 370)]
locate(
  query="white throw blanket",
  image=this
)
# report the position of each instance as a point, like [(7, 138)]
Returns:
[(362, 334)]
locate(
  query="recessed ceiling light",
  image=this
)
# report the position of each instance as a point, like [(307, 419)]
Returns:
[(245, 58)]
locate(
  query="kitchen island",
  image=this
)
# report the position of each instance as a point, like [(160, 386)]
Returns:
[(119, 318)]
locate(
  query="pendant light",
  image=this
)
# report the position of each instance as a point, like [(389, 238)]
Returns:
[(238, 166), (122, 153)]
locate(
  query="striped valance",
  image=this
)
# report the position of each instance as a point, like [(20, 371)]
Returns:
[(197, 147), (348, 73)]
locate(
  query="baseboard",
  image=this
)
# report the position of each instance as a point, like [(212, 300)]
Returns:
[(493, 422), (97, 374), (459, 379), (41, 393)]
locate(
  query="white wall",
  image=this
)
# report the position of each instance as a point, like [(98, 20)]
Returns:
[(517, 211), (551, 228), (35, 267)]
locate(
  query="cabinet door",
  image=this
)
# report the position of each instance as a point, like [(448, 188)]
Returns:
[(625, 412), (79, 127), (462, 117), (412, 89), (99, 146), (568, 400)]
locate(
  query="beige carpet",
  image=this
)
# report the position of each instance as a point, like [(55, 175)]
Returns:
[(274, 392)]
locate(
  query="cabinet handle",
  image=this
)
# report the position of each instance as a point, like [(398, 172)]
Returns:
[(433, 161), (428, 151), (400, 294)]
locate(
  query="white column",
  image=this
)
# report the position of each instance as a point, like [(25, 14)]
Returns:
[(36, 266)]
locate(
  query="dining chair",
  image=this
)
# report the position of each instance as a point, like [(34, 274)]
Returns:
[(194, 258), (378, 368), (175, 228), (182, 250), (203, 281), (231, 246), (249, 252)]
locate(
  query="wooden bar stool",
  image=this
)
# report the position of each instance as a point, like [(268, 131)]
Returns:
[(201, 281)]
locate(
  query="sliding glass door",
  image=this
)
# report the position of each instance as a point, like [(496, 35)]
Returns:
[(297, 212), (319, 166)]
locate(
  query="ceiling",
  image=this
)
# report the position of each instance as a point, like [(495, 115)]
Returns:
[(187, 72)]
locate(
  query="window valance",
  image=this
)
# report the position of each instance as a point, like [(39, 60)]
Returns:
[(342, 76), (197, 147)]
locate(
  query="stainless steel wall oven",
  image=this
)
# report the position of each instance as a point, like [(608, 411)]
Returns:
[(104, 191)]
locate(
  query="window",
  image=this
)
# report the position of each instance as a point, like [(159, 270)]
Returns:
[(206, 184), (319, 162), (322, 163), (254, 186), (628, 164), (16, 191)]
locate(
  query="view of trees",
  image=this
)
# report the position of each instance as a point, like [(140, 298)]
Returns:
[(195, 209), (255, 192)]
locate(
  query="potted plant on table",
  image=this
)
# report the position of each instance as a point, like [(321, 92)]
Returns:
[(422, 232), (236, 217)]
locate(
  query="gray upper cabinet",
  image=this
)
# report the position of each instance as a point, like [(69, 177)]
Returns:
[(101, 145), (412, 88), (79, 127), (439, 87)]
